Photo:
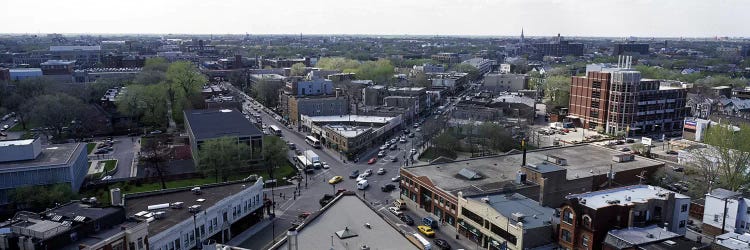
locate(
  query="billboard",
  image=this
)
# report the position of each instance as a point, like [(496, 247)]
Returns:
[(646, 141), (690, 125)]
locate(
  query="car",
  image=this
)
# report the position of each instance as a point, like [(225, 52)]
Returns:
[(387, 187), (442, 244), (394, 159), (416, 125), (155, 132), (384, 147), (629, 140), (396, 178), (327, 198), (362, 185), (406, 131), (672, 152), (108, 177), (292, 146), (426, 230), (381, 171), (402, 140), (361, 177), (678, 169), (368, 171), (354, 174), (625, 149), (6, 126), (395, 211), (335, 179), (393, 141), (411, 135), (413, 151), (381, 153), (372, 161), (15, 120), (325, 165), (394, 147), (3, 134), (619, 142), (419, 129), (406, 219)]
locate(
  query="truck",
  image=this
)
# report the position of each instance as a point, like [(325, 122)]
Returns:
[(313, 158)]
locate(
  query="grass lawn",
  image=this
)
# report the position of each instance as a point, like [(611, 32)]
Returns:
[(90, 147), (432, 153)]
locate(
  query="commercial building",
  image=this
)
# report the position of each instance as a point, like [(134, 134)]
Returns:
[(617, 100), (650, 237), (74, 225), (741, 93), (184, 218), (316, 106), (24, 73), (448, 81), (506, 221), (726, 211), (448, 58), (315, 87), (483, 65), (58, 67), (285, 62), (207, 124), (28, 163), (84, 56), (558, 48), (550, 175), (93, 74), (505, 82), (429, 68), (347, 222), (350, 134), (586, 218), (630, 48)]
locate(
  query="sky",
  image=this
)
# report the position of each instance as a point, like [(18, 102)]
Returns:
[(610, 18)]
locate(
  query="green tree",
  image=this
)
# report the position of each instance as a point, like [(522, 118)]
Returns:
[(497, 137), (557, 91), (222, 156), (183, 79), (446, 141), (730, 151), (154, 71), (146, 104), (155, 154), (473, 72), (420, 80), (337, 63), (274, 153), (266, 92), (55, 111), (380, 71), (298, 69), (38, 198)]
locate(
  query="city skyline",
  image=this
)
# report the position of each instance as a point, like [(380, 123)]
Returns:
[(640, 18)]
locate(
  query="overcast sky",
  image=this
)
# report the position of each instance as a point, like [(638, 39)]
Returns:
[(618, 18)]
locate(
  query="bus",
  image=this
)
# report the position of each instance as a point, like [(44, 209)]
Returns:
[(312, 141), (274, 130)]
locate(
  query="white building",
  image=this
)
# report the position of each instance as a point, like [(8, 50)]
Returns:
[(483, 65), (505, 82), (736, 218)]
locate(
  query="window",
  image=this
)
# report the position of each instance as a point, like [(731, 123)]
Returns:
[(587, 221), (682, 223), (565, 235), (177, 244), (684, 208), (585, 240), (568, 216), (716, 217)]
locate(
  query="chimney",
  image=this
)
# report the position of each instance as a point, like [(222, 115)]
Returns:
[(291, 239), (523, 145)]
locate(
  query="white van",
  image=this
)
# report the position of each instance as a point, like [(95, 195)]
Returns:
[(362, 184)]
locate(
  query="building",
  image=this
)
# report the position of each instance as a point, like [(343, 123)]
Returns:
[(315, 87), (28, 163), (617, 100), (555, 173), (736, 218), (449, 81), (93, 74), (24, 73), (84, 56), (74, 225), (428, 68), (449, 58), (347, 222), (483, 65), (558, 48), (722, 91), (630, 49), (505, 82), (183, 218), (207, 124), (731, 241), (350, 134), (587, 217), (506, 221), (316, 106), (741, 93), (650, 237), (58, 67), (285, 62)]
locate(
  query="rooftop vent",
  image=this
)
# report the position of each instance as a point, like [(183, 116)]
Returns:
[(470, 174), (517, 216), (346, 233), (669, 242)]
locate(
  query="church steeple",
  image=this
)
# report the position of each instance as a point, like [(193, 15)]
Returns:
[(521, 35)]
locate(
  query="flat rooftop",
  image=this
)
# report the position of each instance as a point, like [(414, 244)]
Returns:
[(349, 212), (582, 161), (733, 241), (211, 194), (216, 123), (74, 48), (349, 131), (535, 215), (350, 118), (51, 155), (16, 142), (636, 193), (640, 235)]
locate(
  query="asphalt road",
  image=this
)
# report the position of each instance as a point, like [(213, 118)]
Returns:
[(315, 185)]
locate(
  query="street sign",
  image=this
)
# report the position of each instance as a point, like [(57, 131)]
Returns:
[(646, 141)]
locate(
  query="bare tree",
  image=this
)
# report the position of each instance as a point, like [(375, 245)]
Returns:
[(155, 153)]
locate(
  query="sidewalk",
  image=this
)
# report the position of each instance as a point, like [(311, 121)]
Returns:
[(445, 231)]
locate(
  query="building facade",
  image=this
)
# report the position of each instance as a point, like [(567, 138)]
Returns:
[(505, 82), (630, 48), (316, 106), (725, 211)]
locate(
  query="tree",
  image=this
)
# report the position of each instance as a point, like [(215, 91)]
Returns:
[(145, 104), (183, 80), (496, 137), (473, 72), (266, 92), (298, 69), (728, 153), (222, 155), (274, 153), (38, 198), (337, 63), (446, 141), (380, 71), (557, 91), (421, 80), (155, 153), (55, 111), (153, 72)]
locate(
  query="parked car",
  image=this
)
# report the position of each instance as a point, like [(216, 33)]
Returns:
[(394, 147), (406, 219), (381, 171), (394, 159), (326, 166), (361, 177), (387, 187), (672, 152), (624, 149), (368, 172), (381, 153), (395, 211), (411, 135), (442, 244), (396, 178), (372, 161)]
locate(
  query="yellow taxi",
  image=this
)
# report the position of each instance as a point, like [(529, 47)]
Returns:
[(426, 230), (335, 179)]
